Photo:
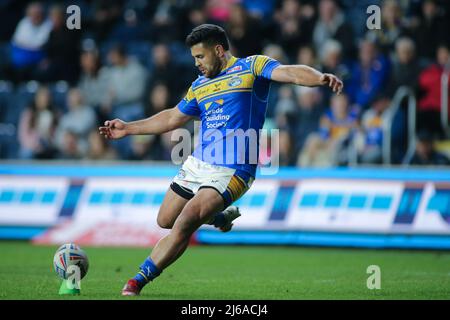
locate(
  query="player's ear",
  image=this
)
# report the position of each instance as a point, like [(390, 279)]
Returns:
[(219, 51)]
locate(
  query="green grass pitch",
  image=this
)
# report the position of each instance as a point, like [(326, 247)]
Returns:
[(234, 272)]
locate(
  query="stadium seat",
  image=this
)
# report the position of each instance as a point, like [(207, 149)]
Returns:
[(22, 97), (140, 50), (125, 34), (6, 93), (8, 130), (180, 53), (59, 94)]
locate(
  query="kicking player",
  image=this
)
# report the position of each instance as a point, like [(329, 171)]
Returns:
[(232, 94)]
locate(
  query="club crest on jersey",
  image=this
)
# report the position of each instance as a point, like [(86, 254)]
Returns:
[(234, 82), (234, 69)]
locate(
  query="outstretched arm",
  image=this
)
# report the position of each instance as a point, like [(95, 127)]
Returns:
[(161, 122), (306, 76)]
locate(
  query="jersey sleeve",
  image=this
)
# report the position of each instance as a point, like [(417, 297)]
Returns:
[(262, 66), (189, 104)]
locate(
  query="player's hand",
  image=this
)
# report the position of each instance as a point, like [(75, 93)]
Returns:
[(113, 129), (332, 81)]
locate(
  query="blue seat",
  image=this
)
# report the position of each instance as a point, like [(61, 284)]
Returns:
[(181, 54), (23, 96), (6, 94), (125, 34), (59, 95), (142, 51), (8, 130)]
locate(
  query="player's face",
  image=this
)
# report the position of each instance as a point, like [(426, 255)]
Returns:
[(206, 59)]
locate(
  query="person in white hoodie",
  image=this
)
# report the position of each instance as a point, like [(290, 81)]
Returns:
[(31, 34), (77, 123)]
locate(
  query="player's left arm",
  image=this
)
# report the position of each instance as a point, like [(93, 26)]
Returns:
[(303, 75)]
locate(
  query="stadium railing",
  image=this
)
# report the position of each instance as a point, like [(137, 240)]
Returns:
[(401, 93), (444, 101)]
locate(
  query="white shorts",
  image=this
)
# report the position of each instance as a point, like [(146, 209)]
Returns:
[(196, 174)]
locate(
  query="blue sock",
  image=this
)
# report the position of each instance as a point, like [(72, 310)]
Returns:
[(148, 272), (218, 220)]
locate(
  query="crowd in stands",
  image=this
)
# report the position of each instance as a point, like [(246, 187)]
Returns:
[(129, 61)]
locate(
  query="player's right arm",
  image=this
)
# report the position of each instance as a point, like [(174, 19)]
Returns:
[(161, 122)]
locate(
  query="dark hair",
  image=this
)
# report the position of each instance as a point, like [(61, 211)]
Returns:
[(119, 49), (425, 136), (209, 34)]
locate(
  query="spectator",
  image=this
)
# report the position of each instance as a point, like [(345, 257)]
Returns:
[(306, 116), (195, 16), (158, 99), (98, 148), (432, 29), (154, 147), (429, 105), (166, 22), (75, 125), (373, 124), (332, 25), (426, 154), (70, 146), (307, 56), (405, 66), (285, 121), (167, 71), (129, 29), (36, 127), (261, 10), (62, 50), (330, 146), (244, 32), (125, 83), (331, 61), (293, 29), (368, 75), (219, 11), (140, 147), (92, 82), (105, 16), (391, 27), (285, 106), (125, 86), (275, 52), (28, 41)]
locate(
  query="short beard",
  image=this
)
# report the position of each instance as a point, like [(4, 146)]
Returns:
[(216, 69)]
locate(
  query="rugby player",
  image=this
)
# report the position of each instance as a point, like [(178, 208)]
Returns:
[(230, 93)]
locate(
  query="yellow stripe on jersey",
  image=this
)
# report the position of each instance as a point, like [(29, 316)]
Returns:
[(219, 102), (236, 187), (189, 95), (243, 81), (258, 64), (228, 76), (222, 93), (224, 83)]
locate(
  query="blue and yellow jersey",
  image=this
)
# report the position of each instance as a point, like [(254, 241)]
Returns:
[(235, 99), (339, 128)]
